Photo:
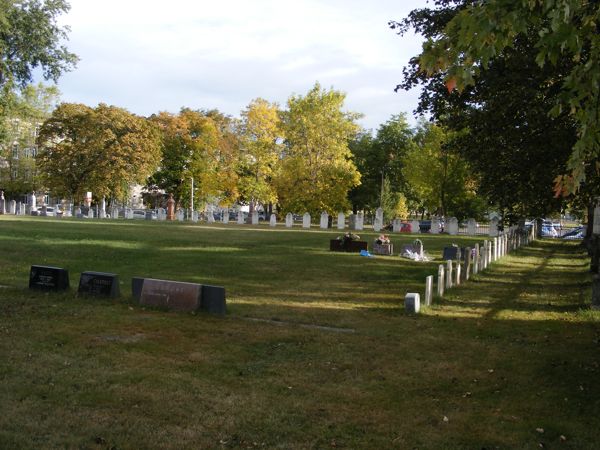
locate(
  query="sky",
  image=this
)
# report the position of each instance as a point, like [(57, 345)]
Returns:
[(149, 56)]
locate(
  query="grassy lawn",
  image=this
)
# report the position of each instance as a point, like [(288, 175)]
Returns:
[(316, 351)]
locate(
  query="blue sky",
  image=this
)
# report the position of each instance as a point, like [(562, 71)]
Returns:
[(149, 56)]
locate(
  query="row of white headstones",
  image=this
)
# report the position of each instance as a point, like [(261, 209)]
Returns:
[(356, 221), (477, 259)]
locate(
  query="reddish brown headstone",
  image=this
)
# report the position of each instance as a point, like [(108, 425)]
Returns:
[(171, 208), (174, 295)]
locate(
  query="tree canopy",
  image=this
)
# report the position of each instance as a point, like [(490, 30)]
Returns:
[(474, 34), (316, 170), (103, 150)]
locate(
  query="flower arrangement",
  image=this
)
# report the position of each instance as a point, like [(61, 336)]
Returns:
[(382, 239), (348, 237)]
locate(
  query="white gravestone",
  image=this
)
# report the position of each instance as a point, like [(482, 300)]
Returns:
[(412, 303), (440, 282), (476, 260), (255, 217), (19, 209), (32, 201), (180, 215), (195, 216), (90, 213), (240, 220), (341, 222), (452, 226), (273, 220), (306, 220), (378, 225), (2, 203), (12, 207), (162, 214), (210, 216), (360, 221), (435, 226), (324, 220), (415, 226), (471, 227), (225, 216), (289, 220), (494, 227), (428, 290), (102, 213), (448, 274), (396, 226)]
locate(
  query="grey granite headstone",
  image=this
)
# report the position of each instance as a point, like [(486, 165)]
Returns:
[(289, 220), (306, 220), (341, 221), (273, 220), (324, 223), (99, 284), (47, 278), (412, 303)]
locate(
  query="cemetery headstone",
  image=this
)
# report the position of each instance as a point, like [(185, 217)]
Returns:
[(396, 226), (255, 217), (162, 214), (352, 222), (44, 212), (12, 207), (440, 281), (171, 208), (136, 288), (452, 252), (471, 227), (324, 223), (457, 272), (180, 296), (494, 227), (273, 220), (341, 221), (90, 213), (20, 209), (180, 215), (102, 214), (476, 260), (195, 216), (466, 270), (289, 220), (99, 284), (306, 220), (210, 216), (435, 226), (452, 226), (378, 224), (240, 219), (46, 278), (448, 274), (2, 203), (78, 213), (415, 226), (225, 216), (360, 221), (412, 303), (428, 290), (32, 202)]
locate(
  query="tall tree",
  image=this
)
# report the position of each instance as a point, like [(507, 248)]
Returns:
[(103, 150), (30, 37), (261, 138), (380, 162), (316, 170), (18, 148), (477, 33), (190, 151), (441, 179)]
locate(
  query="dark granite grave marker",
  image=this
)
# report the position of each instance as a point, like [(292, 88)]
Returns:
[(99, 284), (453, 253), (213, 300), (136, 287), (47, 278)]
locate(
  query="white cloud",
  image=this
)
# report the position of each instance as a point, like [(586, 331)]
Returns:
[(147, 55)]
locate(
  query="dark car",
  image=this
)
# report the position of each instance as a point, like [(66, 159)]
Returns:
[(424, 226)]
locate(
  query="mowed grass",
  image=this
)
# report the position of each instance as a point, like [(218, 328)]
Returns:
[(315, 352)]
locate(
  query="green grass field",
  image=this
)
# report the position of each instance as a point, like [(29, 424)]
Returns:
[(315, 352)]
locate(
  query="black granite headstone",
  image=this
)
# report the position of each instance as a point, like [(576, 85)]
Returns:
[(137, 283), (47, 278), (99, 284), (452, 253), (213, 300)]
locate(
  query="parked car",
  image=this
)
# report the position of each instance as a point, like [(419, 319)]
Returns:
[(576, 233), (405, 227), (49, 211), (141, 214), (424, 226), (549, 231)]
